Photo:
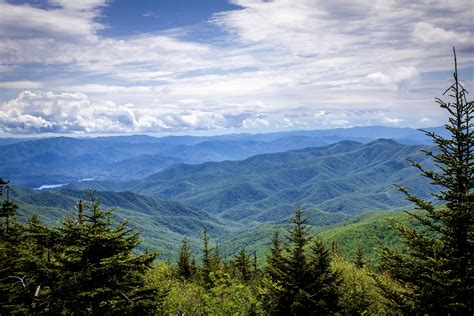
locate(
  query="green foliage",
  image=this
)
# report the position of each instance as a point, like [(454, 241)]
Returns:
[(298, 282), (230, 297), (264, 188), (84, 266), (358, 292), (436, 273), (207, 265), (241, 265), (185, 298), (185, 267)]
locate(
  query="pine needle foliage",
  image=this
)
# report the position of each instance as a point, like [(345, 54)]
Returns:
[(83, 267), (298, 281), (185, 268), (435, 273)]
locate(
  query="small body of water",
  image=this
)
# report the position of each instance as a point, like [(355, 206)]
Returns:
[(86, 179), (50, 186)]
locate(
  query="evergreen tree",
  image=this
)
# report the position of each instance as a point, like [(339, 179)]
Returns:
[(242, 266), (8, 211), (436, 272), (297, 282), (323, 290), (184, 270), (216, 258), (26, 268), (274, 274), (296, 267), (255, 266), (206, 260), (359, 259), (97, 271)]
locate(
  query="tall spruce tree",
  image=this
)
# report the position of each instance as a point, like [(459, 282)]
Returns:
[(324, 282), (298, 282), (435, 274), (297, 266), (274, 274), (97, 270), (206, 260), (242, 266), (184, 269)]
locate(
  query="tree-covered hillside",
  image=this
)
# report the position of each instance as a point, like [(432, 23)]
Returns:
[(346, 177), (35, 162)]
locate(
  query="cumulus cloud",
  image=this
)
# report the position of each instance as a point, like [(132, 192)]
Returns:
[(428, 33), (399, 78), (47, 112), (69, 20), (298, 57)]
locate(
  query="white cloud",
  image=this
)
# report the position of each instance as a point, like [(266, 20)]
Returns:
[(21, 85), (47, 112), (399, 78), (72, 20), (428, 33), (394, 121), (255, 123), (331, 119), (427, 122), (278, 58)]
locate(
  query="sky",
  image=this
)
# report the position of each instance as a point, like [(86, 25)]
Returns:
[(216, 66)]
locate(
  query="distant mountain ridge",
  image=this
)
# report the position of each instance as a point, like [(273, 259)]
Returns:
[(347, 177), (331, 183), (35, 162)]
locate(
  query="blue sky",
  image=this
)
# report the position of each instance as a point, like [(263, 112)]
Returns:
[(188, 66)]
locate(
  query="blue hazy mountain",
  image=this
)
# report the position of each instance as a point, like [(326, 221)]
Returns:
[(54, 161), (347, 177)]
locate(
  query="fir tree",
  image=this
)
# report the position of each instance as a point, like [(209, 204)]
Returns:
[(184, 270), (242, 266), (324, 282), (359, 259), (436, 273), (206, 260), (274, 274), (296, 266), (97, 271), (254, 264), (297, 282)]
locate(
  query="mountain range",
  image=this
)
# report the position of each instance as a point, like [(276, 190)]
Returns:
[(32, 163), (240, 202)]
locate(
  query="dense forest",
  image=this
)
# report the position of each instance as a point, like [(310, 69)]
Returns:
[(91, 263)]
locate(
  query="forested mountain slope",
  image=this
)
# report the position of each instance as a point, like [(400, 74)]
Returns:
[(35, 162), (349, 177)]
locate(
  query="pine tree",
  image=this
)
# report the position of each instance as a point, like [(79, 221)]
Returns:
[(255, 265), (297, 282), (97, 271), (274, 274), (323, 290), (26, 271), (359, 259), (184, 269), (296, 266), (242, 266), (435, 274), (206, 260)]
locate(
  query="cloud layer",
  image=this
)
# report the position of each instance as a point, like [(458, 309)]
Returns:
[(275, 64)]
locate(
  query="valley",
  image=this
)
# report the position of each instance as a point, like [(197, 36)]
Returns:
[(239, 187)]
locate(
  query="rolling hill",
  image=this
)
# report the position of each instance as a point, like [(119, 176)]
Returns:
[(163, 223), (347, 177), (36, 162)]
